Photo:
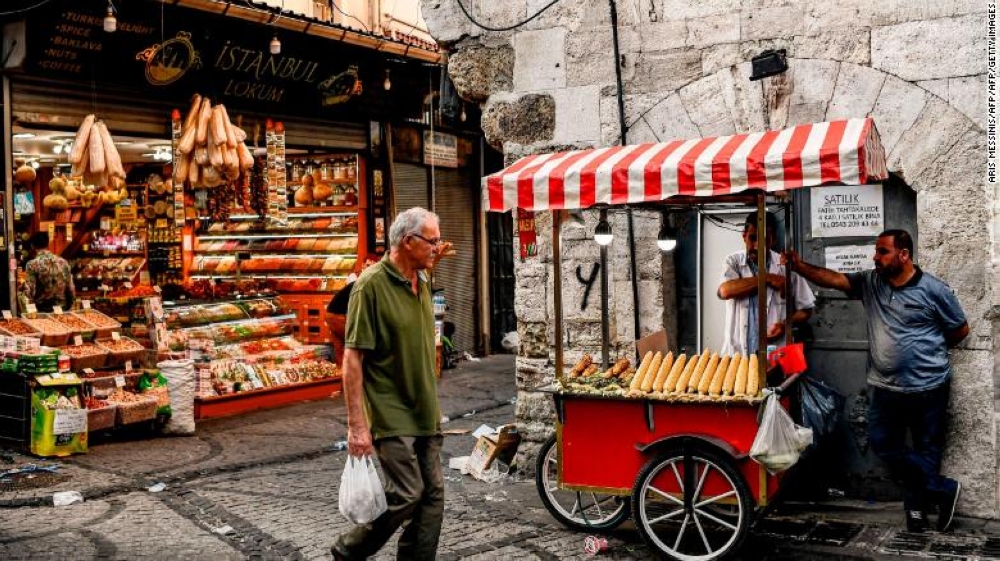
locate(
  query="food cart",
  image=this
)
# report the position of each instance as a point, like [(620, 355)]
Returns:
[(676, 461)]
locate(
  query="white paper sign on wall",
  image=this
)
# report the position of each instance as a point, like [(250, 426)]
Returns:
[(847, 211), (850, 258)]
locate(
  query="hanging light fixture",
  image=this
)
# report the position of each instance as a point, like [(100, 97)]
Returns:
[(110, 22), (387, 83), (667, 238), (603, 234), (462, 116), (275, 45)]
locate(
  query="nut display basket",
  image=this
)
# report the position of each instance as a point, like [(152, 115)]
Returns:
[(17, 328), (103, 327), (75, 324), (51, 333), (96, 360), (160, 393), (135, 351), (136, 411), (103, 418)]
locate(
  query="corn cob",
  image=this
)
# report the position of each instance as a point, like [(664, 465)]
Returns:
[(753, 377), (675, 373), (652, 382), (730, 381), (715, 386), (740, 388), (640, 372), (652, 368), (706, 379), (699, 370), (692, 365)]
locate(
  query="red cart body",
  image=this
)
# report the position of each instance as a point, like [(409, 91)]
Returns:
[(604, 442)]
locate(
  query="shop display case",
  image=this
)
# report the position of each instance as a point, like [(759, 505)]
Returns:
[(246, 356), (315, 252)]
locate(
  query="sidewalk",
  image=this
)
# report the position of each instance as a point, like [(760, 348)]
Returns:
[(263, 485), (276, 436)]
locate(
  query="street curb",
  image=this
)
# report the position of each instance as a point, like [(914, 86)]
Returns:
[(143, 482)]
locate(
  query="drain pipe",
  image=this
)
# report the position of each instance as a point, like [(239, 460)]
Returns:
[(624, 140)]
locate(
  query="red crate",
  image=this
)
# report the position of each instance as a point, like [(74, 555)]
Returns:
[(311, 312)]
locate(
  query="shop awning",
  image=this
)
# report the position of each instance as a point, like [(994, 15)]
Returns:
[(834, 153)]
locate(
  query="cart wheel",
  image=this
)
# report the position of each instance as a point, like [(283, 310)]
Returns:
[(578, 510), (693, 507)]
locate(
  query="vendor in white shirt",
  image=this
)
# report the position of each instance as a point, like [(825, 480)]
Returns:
[(738, 287)]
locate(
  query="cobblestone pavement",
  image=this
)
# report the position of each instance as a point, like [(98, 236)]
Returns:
[(264, 486)]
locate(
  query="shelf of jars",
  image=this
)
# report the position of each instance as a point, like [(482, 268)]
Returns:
[(247, 357)]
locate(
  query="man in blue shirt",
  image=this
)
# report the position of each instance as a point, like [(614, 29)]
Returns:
[(913, 319)]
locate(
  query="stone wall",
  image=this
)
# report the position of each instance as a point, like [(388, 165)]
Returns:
[(917, 66)]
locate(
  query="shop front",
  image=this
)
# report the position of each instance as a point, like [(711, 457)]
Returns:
[(242, 186)]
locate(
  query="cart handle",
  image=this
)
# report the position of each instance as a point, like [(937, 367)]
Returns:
[(787, 384)]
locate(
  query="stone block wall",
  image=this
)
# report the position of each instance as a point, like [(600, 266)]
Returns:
[(917, 66)]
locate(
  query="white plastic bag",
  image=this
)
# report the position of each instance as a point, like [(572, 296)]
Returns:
[(779, 441), (362, 498), (180, 384)]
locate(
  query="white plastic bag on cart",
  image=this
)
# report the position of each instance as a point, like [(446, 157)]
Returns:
[(779, 441), (362, 498)]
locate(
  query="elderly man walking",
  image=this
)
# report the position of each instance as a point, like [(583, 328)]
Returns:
[(391, 392)]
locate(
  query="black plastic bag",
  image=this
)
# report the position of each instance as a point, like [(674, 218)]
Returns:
[(821, 406)]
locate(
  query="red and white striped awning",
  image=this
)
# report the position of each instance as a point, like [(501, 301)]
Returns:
[(839, 152)]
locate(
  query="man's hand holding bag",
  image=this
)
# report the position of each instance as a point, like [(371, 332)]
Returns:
[(362, 498)]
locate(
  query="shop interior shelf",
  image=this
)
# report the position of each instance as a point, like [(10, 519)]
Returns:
[(304, 212), (267, 276), (180, 304), (276, 234), (244, 320), (241, 402), (278, 252)]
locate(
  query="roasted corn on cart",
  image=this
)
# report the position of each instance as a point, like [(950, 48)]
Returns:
[(671, 449)]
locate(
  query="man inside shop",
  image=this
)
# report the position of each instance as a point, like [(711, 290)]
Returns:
[(48, 280), (738, 287)]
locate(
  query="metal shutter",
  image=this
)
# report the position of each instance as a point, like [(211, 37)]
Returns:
[(58, 105), (409, 188), (456, 203), (63, 106)]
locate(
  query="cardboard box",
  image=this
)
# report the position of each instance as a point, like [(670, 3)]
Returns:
[(653, 342), (501, 445)]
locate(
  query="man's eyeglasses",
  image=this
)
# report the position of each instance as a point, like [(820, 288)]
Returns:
[(434, 243)]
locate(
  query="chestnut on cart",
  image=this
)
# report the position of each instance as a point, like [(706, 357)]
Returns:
[(672, 448)]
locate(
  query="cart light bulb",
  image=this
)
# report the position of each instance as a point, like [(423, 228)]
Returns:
[(666, 240), (275, 45), (603, 234), (110, 22), (666, 245)]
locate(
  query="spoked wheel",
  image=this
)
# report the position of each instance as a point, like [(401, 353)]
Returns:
[(578, 510), (692, 507)]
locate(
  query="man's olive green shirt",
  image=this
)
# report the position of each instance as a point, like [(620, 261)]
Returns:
[(395, 329)]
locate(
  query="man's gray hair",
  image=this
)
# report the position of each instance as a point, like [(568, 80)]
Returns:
[(410, 221)]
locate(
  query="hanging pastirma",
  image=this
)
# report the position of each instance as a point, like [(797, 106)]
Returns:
[(279, 171), (176, 132), (276, 191)]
